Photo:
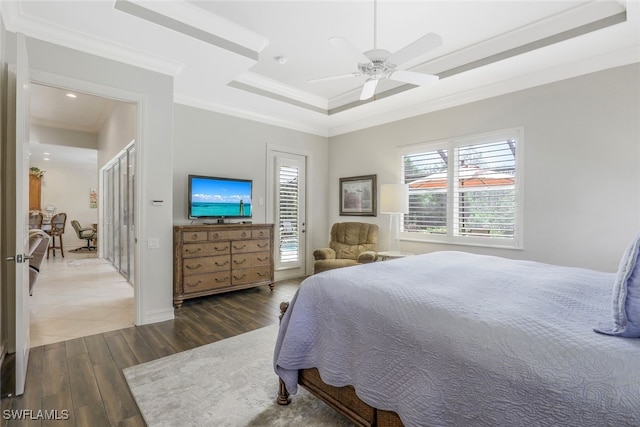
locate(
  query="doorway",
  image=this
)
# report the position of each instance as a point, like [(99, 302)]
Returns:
[(287, 172), (104, 298)]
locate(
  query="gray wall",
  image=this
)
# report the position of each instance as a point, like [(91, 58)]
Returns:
[(209, 143), (581, 168)]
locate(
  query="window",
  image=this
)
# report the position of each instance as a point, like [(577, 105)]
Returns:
[(465, 190), (288, 217)]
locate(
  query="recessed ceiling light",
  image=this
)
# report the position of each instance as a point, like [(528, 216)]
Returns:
[(46, 154), (46, 158), (281, 59), (71, 95)]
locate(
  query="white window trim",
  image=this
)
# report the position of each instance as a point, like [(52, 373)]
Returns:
[(450, 144)]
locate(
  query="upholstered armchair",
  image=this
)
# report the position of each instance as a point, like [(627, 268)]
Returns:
[(38, 244), (351, 243)]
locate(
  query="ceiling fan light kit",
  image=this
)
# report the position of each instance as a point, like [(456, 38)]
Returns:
[(379, 64)]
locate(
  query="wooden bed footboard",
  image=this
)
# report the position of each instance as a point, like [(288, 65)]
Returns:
[(343, 399)]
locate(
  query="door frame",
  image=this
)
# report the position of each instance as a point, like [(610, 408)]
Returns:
[(140, 100), (271, 154)]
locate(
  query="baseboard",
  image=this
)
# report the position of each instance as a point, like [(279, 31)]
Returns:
[(157, 316)]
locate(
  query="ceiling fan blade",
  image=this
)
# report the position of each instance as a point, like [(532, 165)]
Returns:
[(337, 76), (418, 79), (369, 89), (423, 45), (349, 49)]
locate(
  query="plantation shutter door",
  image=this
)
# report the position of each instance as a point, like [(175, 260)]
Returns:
[(288, 215)]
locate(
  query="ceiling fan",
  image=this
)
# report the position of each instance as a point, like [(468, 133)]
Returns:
[(378, 64)]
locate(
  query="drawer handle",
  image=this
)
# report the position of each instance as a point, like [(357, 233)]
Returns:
[(194, 236), (264, 245), (244, 234), (261, 233), (240, 277), (221, 249), (192, 285), (221, 264), (215, 235), (197, 250), (235, 261), (263, 259), (262, 274), (193, 267), (226, 279), (239, 247)]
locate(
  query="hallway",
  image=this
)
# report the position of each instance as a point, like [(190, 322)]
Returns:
[(77, 296)]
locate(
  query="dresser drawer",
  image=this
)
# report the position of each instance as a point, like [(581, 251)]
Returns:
[(245, 246), (194, 236), (249, 275), (251, 259), (229, 234), (203, 282), (190, 250), (201, 265), (261, 232)]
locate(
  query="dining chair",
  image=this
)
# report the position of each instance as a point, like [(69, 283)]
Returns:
[(58, 223)]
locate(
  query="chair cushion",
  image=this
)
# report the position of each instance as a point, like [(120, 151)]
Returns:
[(329, 264)]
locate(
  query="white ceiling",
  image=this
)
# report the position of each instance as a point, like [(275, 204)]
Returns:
[(222, 53)]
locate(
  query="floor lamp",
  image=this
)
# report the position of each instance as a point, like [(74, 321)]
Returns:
[(394, 200)]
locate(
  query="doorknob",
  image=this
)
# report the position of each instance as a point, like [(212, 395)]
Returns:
[(18, 258)]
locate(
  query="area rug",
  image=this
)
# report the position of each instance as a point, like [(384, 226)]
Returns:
[(226, 383), (86, 261)]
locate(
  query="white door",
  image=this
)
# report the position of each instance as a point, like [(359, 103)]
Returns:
[(17, 230), (289, 217)]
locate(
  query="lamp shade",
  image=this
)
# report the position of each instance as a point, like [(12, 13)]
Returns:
[(394, 198)]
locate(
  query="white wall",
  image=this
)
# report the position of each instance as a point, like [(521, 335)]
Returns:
[(66, 186), (209, 143), (56, 136), (117, 132), (581, 169), (53, 64)]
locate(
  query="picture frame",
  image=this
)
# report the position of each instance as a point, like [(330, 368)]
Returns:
[(358, 196)]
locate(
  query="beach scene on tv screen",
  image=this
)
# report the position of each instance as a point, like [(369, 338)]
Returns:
[(210, 198)]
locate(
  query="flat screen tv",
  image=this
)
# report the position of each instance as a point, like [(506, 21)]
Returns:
[(216, 197)]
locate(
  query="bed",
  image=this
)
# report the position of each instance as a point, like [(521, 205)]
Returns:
[(456, 339)]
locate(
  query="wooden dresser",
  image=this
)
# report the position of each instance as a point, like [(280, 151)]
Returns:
[(211, 259)]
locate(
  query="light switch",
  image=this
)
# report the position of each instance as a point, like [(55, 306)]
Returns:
[(153, 243)]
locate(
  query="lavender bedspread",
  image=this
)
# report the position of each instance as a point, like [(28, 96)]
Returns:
[(455, 339)]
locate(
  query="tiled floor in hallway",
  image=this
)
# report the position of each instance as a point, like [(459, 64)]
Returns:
[(76, 296)]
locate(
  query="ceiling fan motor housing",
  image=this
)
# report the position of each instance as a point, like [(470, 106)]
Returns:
[(378, 67)]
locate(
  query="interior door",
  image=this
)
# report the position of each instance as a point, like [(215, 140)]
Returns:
[(17, 202)]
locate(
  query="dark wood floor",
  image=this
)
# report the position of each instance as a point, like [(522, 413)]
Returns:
[(84, 376)]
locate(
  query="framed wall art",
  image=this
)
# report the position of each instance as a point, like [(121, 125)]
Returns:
[(358, 195)]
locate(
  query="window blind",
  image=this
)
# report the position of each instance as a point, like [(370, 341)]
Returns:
[(288, 213), (463, 190)]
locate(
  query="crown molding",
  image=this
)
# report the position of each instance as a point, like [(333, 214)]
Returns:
[(249, 115), (619, 58), (284, 90), (16, 21), (197, 22)]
